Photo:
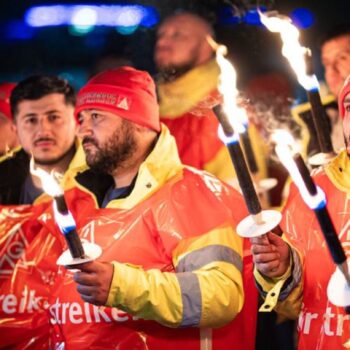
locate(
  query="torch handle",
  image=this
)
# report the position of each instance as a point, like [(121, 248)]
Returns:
[(330, 235), (74, 244), (249, 153), (223, 120), (244, 178), (61, 204), (320, 122), (68, 230), (305, 174)]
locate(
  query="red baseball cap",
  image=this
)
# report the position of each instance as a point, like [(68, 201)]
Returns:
[(125, 91)]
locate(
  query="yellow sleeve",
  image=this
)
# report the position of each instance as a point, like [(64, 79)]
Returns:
[(205, 290), (283, 294)]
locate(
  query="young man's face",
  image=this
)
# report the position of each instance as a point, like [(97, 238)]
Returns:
[(336, 61), (46, 128), (108, 140), (346, 121), (8, 138)]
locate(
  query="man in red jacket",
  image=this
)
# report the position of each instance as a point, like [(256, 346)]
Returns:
[(295, 275), (187, 88), (170, 273)]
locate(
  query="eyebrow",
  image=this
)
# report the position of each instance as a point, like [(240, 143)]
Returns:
[(46, 113)]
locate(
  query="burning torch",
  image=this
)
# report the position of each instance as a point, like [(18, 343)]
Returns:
[(78, 252), (339, 286), (227, 86), (299, 58), (233, 122)]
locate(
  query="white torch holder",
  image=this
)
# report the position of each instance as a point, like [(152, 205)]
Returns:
[(321, 158), (266, 184), (92, 252), (260, 224), (338, 289)]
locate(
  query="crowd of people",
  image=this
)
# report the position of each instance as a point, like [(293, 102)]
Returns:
[(147, 179)]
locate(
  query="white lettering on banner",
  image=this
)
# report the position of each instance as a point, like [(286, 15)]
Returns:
[(28, 302), (332, 324), (13, 250), (62, 313)]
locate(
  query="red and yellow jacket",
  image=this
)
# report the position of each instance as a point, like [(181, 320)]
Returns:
[(177, 263), (177, 259), (321, 325), (186, 109)]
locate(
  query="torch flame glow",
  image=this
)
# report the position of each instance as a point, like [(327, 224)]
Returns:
[(292, 50), (48, 181), (227, 87), (285, 151)]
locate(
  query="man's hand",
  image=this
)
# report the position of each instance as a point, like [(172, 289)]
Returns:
[(94, 280), (270, 255)]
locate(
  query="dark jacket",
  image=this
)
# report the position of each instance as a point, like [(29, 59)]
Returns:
[(13, 172)]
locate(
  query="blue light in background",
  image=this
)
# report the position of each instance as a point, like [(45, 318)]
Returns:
[(18, 30), (43, 16), (126, 30), (84, 16), (92, 15), (252, 17), (302, 17), (227, 15), (150, 17)]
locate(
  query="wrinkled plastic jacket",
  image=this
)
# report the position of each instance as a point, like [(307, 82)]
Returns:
[(321, 325), (26, 275), (176, 214)]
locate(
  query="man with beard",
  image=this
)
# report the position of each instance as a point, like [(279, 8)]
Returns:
[(43, 111), (187, 87), (171, 261), (295, 272), (8, 136)]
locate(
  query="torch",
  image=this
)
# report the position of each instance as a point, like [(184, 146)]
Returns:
[(339, 287), (227, 85), (232, 123), (300, 60), (78, 252)]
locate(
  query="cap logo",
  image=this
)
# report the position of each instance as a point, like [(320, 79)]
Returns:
[(119, 101), (123, 103)]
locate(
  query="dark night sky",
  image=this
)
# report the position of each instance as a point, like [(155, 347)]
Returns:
[(253, 50)]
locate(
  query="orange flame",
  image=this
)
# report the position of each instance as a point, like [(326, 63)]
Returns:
[(48, 180), (227, 87), (291, 49)]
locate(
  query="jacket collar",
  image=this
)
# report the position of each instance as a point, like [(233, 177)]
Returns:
[(161, 164), (338, 171), (183, 94)]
